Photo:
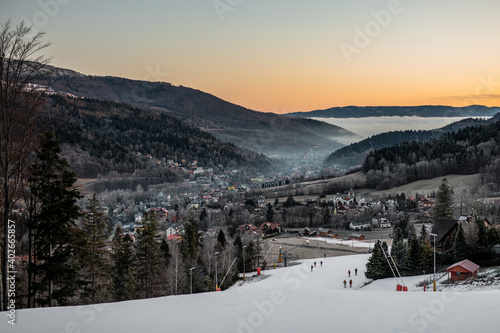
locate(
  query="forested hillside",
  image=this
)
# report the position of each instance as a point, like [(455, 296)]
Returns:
[(355, 153), (467, 151), (268, 133), (99, 137)]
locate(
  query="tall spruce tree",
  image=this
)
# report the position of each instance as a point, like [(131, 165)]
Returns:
[(270, 213), (55, 268), (190, 242), (413, 255), (150, 265), (398, 249), (123, 272), (95, 261), (459, 244), (444, 200), (375, 267), (221, 238)]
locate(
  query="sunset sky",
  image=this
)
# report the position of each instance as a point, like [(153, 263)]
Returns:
[(283, 55)]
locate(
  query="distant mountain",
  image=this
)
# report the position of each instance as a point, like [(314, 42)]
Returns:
[(355, 153), (262, 132), (399, 111), (98, 137)]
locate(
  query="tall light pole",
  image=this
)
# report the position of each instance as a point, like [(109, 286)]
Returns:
[(244, 262), (216, 282), (434, 282), (191, 277)]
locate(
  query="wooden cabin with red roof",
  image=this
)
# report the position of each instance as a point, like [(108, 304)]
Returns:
[(462, 270)]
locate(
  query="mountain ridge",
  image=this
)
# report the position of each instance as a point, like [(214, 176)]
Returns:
[(399, 111), (263, 132)]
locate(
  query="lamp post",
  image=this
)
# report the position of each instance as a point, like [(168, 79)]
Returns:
[(244, 262), (434, 282), (216, 282), (191, 277)]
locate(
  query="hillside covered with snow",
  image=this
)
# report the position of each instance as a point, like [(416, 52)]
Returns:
[(293, 299)]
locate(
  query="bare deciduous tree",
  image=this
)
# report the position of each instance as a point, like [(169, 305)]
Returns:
[(176, 276), (20, 103)]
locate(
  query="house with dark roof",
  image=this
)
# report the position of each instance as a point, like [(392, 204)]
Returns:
[(323, 232), (462, 270), (359, 225), (270, 227), (444, 229)]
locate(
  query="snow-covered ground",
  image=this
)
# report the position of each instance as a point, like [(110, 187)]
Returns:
[(292, 299), (345, 242)]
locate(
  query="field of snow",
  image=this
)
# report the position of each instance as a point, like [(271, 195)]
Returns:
[(292, 299), (349, 243)]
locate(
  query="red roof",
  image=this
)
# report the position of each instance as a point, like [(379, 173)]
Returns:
[(465, 264), (174, 237), (269, 225)]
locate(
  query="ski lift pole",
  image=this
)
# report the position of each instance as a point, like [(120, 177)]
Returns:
[(228, 271), (388, 262), (397, 270), (266, 255)]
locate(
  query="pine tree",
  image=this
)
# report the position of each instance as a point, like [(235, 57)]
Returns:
[(413, 256), (94, 253), (375, 268), (203, 214), (459, 244), (492, 237), (387, 269), (403, 225), (443, 208), (482, 239), (190, 242), (398, 249), (270, 213), (150, 265), (55, 268), (423, 235), (221, 238), (165, 251), (123, 271), (426, 250)]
